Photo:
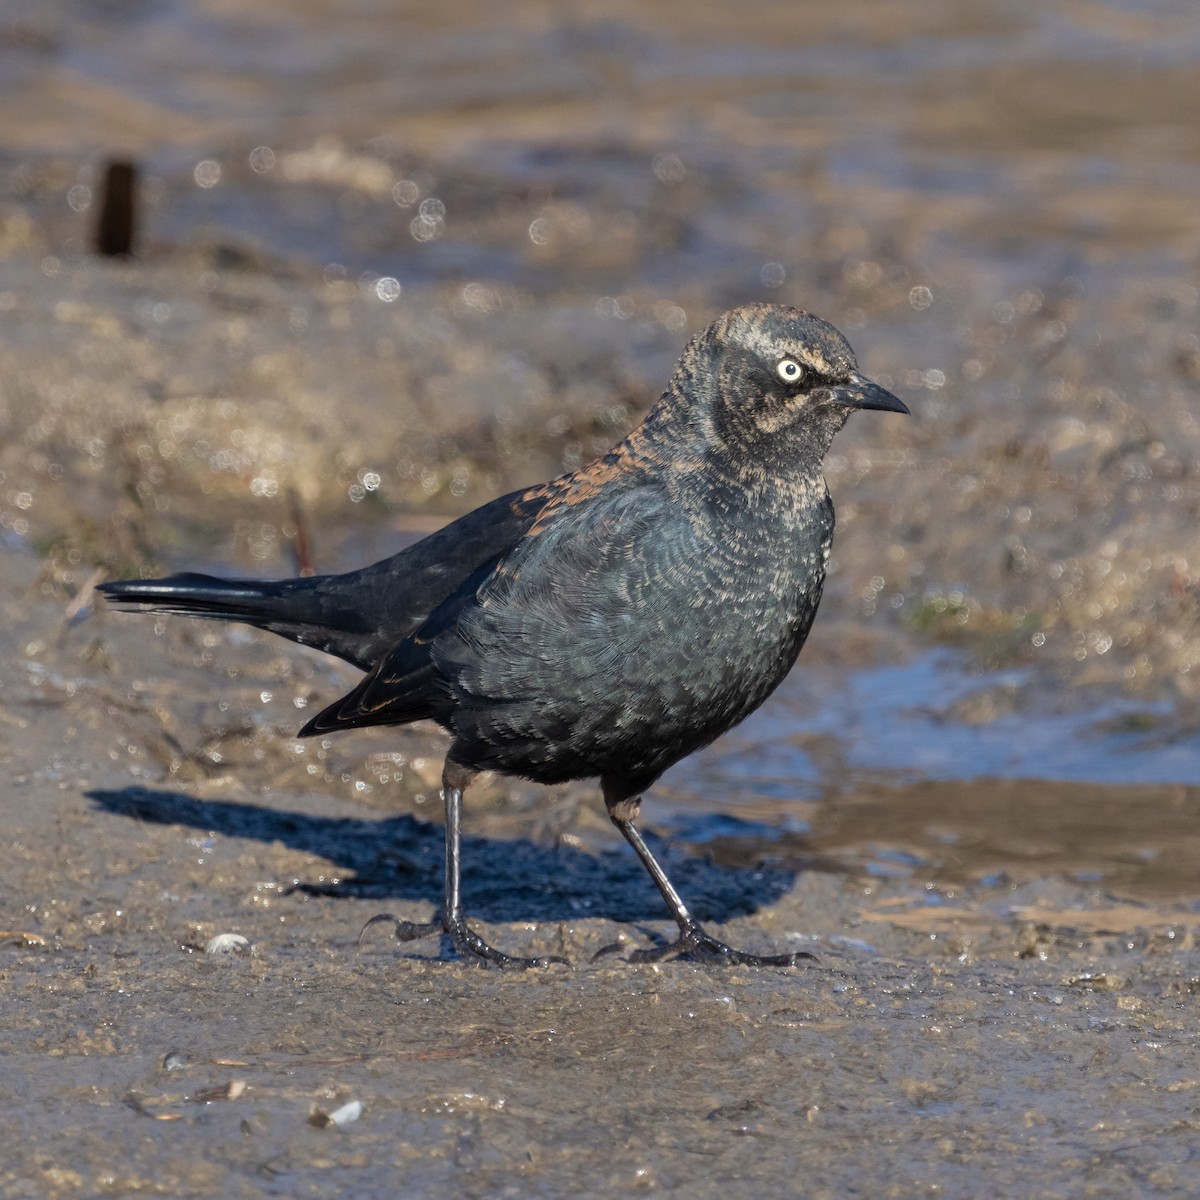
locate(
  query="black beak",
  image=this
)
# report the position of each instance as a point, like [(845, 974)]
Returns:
[(859, 392)]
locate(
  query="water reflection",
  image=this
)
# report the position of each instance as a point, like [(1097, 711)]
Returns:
[(939, 717)]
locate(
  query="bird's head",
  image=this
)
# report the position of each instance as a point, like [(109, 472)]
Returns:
[(774, 382)]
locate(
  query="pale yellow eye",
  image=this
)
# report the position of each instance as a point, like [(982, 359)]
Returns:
[(790, 371)]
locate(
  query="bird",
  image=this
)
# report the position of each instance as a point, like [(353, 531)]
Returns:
[(604, 624)]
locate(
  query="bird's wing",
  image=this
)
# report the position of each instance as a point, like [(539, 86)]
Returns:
[(582, 580), (381, 605), (361, 615)]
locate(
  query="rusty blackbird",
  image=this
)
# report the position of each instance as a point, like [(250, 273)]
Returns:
[(606, 623)]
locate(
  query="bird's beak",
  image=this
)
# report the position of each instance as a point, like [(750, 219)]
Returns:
[(860, 392)]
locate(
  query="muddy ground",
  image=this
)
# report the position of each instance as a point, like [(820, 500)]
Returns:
[(394, 263)]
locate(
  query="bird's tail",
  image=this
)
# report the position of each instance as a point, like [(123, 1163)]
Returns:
[(308, 611), (190, 594)]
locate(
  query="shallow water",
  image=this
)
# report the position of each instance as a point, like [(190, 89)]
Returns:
[(940, 717), (397, 259)]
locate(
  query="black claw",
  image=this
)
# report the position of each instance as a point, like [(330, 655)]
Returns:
[(606, 951), (693, 943), (471, 947), (403, 931)]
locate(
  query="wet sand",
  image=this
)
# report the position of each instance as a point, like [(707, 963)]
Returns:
[(992, 850)]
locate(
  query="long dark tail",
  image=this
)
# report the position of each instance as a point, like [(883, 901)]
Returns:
[(360, 616), (298, 609), (191, 594)]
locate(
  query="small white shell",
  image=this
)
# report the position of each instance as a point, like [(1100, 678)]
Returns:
[(350, 1111), (228, 943)]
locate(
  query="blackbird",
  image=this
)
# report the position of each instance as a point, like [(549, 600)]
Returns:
[(606, 623)]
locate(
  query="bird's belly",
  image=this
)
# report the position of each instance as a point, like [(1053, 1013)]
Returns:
[(642, 692)]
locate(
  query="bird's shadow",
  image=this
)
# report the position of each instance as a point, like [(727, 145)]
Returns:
[(400, 858)]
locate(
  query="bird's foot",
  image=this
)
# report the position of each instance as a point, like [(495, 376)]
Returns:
[(470, 946), (693, 943)]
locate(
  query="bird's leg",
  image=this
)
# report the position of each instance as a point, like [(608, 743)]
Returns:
[(692, 942), (452, 920)]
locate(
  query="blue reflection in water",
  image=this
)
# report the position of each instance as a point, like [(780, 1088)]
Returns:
[(823, 727)]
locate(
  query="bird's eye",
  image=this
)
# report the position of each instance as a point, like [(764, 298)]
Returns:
[(790, 371)]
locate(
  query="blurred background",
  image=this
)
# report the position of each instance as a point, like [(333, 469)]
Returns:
[(390, 260)]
